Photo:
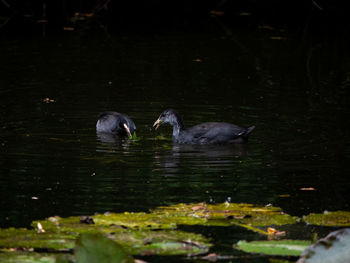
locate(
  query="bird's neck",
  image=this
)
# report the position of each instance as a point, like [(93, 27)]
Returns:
[(178, 126), (176, 130)]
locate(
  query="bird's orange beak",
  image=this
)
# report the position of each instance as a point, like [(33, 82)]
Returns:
[(157, 124)]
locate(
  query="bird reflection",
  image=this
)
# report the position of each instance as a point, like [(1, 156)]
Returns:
[(106, 138), (212, 151), (219, 156), (111, 143)]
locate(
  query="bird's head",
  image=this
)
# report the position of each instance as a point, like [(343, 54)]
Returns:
[(168, 116), (128, 125)]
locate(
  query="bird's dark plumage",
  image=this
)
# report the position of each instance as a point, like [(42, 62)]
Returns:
[(115, 123), (205, 133)]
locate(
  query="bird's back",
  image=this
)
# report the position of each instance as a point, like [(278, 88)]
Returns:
[(108, 122), (213, 133)]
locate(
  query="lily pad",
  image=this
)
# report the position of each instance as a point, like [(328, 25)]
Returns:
[(274, 247), (92, 248), (135, 232), (226, 214), (337, 218), (33, 257), (333, 248), (118, 221), (60, 233), (167, 242), (168, 217), (24, 238), (134, 220)]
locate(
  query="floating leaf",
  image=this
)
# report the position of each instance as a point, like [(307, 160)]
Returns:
[(135, 231), (284, 195), (93, 248), (135, 235), (24, 238), (33, 257), (217, 13), (307, 189), (333, 248), (337, 218), (165, 242), (274, 247), (134, 220), (213, 257), (226, 214)]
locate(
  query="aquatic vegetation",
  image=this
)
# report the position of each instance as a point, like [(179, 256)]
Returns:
[(134, 220), (274, 247), (92, 248), (155, 232), (337, 218), (134, 137), (160, 137), (136, 236), (28, 239), (226, 214), (34, 257)]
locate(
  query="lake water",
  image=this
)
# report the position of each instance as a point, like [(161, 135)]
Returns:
[(52, 89)]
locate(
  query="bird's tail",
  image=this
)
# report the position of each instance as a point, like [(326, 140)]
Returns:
[(247, 133)]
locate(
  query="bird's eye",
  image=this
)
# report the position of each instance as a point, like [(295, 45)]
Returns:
[(162, 115)]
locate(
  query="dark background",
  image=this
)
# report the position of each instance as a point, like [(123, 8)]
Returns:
[(318, 17)]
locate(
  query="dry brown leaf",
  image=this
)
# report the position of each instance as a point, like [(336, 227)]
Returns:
[(275, 232), (307, 189), (278, 38), (217, 13), (198, 207), (197, 60), (285, 195)]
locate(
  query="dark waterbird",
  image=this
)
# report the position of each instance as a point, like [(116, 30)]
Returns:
[(112, 122), (205, 133)]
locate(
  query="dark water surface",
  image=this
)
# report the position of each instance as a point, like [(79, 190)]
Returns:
[(52, 162)]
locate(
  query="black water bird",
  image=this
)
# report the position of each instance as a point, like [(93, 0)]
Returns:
[(205, 133), (112, 122)]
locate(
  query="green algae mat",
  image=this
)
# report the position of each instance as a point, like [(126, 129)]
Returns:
[(336, 218), (153, 233)]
